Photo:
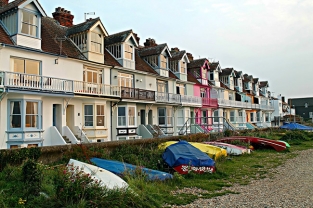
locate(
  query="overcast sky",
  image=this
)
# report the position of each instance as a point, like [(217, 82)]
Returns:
[(270, 39)]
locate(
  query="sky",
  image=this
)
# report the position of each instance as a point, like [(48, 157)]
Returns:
[(269, 39)]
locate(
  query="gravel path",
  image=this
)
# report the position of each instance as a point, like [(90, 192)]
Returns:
[(290, 186)]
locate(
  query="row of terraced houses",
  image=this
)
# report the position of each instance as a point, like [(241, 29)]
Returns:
[(69, 83)]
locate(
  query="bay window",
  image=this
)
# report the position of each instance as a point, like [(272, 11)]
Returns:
[(94, 115), (126, 116), (24, 114)]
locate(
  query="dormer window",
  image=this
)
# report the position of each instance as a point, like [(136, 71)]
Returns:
[(96, 42), (204, 73), (152, 60), (129, 52), (80, 40), (211, 75), (163, 62), (29, 23)]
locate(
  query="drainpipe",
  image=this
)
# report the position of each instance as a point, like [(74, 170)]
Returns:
[(111, 112)]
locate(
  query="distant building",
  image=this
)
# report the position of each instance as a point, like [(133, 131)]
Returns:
[(303, 106)]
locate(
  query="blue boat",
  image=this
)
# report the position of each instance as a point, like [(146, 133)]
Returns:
[(120, 168), (183, 158)]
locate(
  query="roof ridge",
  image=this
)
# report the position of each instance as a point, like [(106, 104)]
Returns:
[(120, 32)]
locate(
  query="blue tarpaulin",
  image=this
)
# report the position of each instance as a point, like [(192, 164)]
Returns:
[(120, 168), (183, 153), (296, 126)]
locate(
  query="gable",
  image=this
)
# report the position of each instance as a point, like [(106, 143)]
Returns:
[(99, 26), (34, 6), (131, 40)]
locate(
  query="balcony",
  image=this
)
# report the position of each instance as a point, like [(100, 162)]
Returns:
[(137, 94), (237, 104), (209, 102), (267, 107), (21, 81), (88, 88), (165, 97), (189, 100)]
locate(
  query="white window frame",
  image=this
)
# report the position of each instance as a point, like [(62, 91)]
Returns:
[(29, 25), (129, 49), (115, 50), (96, 42), (94, 115), (126, 80), (127, 117)]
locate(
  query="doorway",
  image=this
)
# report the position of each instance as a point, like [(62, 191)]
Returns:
[(70, 116), (143, 117), (57, 116), (150, 118)]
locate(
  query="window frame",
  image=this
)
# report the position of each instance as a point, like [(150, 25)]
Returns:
[(95, 116), (95, 42), (124, 78), (22, 22), (127, 116), (163, 61), (128, 50), (12, 65)]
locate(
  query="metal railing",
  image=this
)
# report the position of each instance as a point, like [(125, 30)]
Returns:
[(211, 102), (191, 100), (167, 97), (136, 93), (89, 88)]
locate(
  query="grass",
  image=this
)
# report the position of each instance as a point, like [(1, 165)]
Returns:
[(230, 170)]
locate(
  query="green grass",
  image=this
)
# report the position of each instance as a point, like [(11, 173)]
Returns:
[(230, 170)]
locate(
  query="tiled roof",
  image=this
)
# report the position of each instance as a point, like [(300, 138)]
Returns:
[(214, 65), (51, 30), (11, 5), (82, 27), (248, 78), (172, 75), (141, 65), (154, 50), (4, 37), (226, 72), (263, 83), (177, 55), (191, 78), (225, 86), (110, 60), (238, 73), (196, 63), (255, 80), (117, 38)]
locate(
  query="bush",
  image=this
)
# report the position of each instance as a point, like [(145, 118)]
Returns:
[(32, 178), (295, 137)]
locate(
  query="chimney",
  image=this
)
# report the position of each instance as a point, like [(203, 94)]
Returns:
[(137, 38), (4, 3), (64, 17), (283, 98), (190, 57), (175, 49), (150, 42)]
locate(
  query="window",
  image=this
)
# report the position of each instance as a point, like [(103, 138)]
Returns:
[(180, 89), (180, 117), (204, 116), (25, 114), (92, 76), (100, 116), (121, 117), (126, 118), (211, 75), (203, 93), (29, 23), (174, 66), (131, 116), (152, 60), (31, 116), (121, 138), (161, 86), (25, 66), (204, 73), (115, 50), (258, 116), (161, 115), (96, 42), (128, 51), (182, 67), (88, 115), (215, 114), (163, 61), (125, 80), (169, 117), (15, 114), (252, 117), (80, 40)]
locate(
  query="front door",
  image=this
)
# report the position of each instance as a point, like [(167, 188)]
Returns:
[(70, 116), (143, 117), (150, 118)]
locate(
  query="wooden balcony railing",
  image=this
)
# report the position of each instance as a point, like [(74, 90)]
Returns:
[(137, 94)]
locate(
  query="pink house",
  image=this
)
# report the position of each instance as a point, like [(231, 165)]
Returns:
[(198, 73)]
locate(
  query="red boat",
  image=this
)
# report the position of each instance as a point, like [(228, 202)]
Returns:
[(256, 142)]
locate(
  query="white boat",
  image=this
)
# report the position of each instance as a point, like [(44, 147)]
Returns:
[(106, 178), (231, 149)]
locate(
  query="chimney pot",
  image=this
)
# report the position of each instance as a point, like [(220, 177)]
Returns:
[(64, 17), (190, 57), (4, 3), (150, 42), (137, 38)]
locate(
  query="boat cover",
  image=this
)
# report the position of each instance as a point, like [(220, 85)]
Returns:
[(183, 153), (120, 168), (296, 126)]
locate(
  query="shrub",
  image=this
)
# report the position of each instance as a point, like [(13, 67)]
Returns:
[(295, 137), (32, 178)]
